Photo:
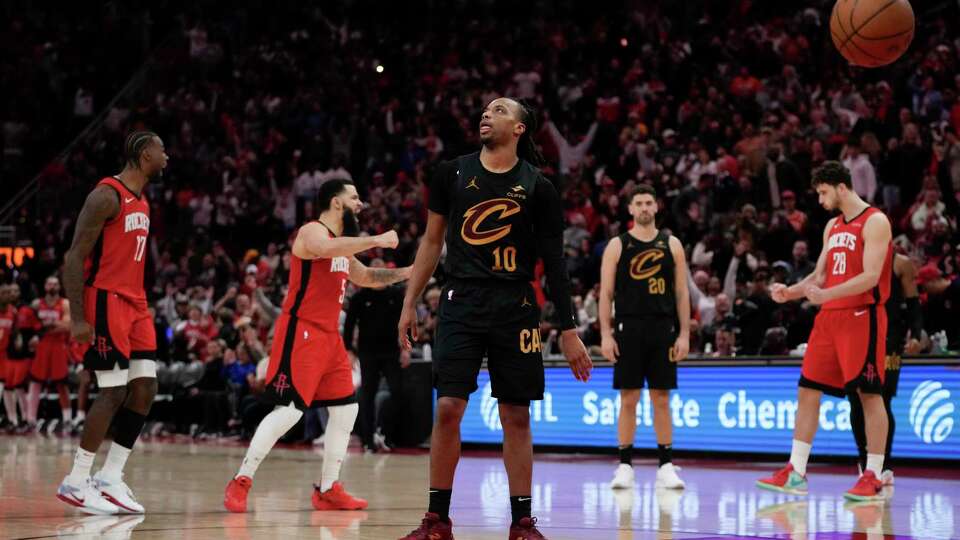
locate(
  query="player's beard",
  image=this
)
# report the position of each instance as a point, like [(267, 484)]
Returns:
[(645, 219), (351, 227)]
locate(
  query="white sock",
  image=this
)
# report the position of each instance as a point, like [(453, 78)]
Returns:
[(67, 414), (875, 463), (335, 442), (81, 416), (116, 459), (799, 456), (22, 398), (33, 403), (10, 403), (273, 426), (82, 463)]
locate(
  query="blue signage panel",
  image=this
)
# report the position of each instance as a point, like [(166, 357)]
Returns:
[(728, 409)]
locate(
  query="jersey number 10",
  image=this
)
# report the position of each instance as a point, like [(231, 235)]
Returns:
[(507, 262)]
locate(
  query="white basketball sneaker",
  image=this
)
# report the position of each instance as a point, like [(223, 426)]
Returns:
[(623, 478), (117, 492), (86, 497), (886, 478), (667, 477)]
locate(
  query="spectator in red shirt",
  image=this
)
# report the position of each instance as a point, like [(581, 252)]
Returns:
[(745, 85)]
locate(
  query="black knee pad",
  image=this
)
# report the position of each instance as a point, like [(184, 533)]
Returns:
[(127, 425)]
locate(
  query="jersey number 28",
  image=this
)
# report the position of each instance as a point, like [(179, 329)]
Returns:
[(839, 264)]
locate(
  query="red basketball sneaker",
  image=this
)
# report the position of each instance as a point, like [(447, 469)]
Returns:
[(235, 496), (525, 529), (431, 528), (867, 488), (336, 498)]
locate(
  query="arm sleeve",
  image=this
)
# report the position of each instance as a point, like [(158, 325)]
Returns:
[(549, 232), (439, 198)]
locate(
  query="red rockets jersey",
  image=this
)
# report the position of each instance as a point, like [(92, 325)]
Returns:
[(316, 290), (7, 318), (845, 246), (50, 315), (117, 261)]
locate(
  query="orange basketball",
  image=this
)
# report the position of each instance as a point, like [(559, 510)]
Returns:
[(871, 33)]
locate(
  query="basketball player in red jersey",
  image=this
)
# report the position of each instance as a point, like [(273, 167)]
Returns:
[(103, 276), (20, 352), (50, 364), (308, 362), (8, 317), (847, 347)]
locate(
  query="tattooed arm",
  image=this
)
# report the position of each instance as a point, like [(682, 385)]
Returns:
[(365, 276), (102, 205)]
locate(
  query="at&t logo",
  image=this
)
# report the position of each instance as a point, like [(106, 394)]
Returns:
[(931, 412), (540, 411)]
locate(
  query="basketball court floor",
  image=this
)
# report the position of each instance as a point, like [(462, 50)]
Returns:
[(181, 485)]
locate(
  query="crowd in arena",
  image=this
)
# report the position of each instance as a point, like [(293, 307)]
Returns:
[(276, 103)]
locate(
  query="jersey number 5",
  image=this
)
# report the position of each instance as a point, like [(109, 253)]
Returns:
[(839, 264), (141, 248), (343, 290)]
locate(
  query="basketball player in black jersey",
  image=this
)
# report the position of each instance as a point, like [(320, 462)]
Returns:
[(903, 315), (644, 272), (499, 215)]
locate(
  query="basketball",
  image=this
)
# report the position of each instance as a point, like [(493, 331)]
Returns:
[(872, 33)]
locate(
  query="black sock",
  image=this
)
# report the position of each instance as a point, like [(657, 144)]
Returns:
[(520, 507), (664, 452), (626, 454), (440, 503)]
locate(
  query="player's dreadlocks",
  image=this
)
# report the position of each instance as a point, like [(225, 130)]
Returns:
[(133, 147), (526, 148)]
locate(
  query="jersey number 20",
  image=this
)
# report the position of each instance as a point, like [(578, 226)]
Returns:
[(657, 285)]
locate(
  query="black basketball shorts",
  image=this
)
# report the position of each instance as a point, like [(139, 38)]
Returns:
[(646, 353), (497, 320)]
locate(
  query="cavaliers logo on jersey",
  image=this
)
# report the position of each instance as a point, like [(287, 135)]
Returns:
[(645, 264), (474, 231)]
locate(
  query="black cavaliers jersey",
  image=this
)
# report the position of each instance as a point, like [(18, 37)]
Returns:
[(645, 278), (490, 229)]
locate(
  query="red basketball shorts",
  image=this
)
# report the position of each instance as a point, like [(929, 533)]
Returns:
[(50, 362), (122, 330), (17, 372), (308, 366), (846, 351)]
